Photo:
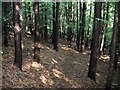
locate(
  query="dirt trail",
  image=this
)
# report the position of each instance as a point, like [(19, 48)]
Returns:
[(66, 68)]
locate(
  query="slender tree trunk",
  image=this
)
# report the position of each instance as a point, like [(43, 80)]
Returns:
[(5, 26), (83, 28), (53, 36), (103, 29), (106, 25), (88, 32), (113, 50), (56, 26), (17, 36), (69, 37), (29, 16), (25, 15), (46, 31), (37, 33), (95, 42), (78, 30)]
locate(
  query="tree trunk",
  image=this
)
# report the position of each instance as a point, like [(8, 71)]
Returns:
[(53, 36), (95, 42), (69, 33), (103, 29), (106, 25), (17, 36), (78, 30), (29, 16), (46, 31), (83, 28), (56, 26), (119, 28), (88, 32), (5, 26), (113, 50), (37, 33)]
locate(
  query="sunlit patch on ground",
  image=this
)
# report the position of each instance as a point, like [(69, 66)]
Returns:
[(105, 58)]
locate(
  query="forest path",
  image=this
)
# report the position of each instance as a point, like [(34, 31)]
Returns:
[(66, 68)]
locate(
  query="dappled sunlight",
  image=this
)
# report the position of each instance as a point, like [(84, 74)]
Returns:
[(45, 80), (76, 62), (36, 65), (64, 47), (57, 73), (104, 58), (26, 66), (54, 61), (98, 74), (72, 82), (86, 52)]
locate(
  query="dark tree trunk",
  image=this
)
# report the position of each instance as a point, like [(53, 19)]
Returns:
[(46, 31), (5, 26), (113, 50), (17, 36), (37, 33), (69, 32), (25, 15), (29, 16), (78, 30), (117, 54), (95, 42), (83, 28), (119, 28), (56, 26), (88, 32), (53, 36)]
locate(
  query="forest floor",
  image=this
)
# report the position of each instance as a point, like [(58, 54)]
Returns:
[(66, 68)]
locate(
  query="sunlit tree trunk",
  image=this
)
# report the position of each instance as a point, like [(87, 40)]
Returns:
[(103, 29), (17, 36), (37, 33), (106, 28), (95, 42), (113, 50)]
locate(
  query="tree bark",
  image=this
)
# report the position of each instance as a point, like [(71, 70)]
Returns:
[(5, 26), (95, 42), (17, 36), (56, 26), (29, 16), (83, 28), (37, 33), (113, 50), (53, 36), (69, 32), (78, 30), (46, 31), (88, 31), (103, 29)]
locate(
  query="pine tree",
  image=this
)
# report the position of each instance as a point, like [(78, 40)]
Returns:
[(95, 41), (17, 35)]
